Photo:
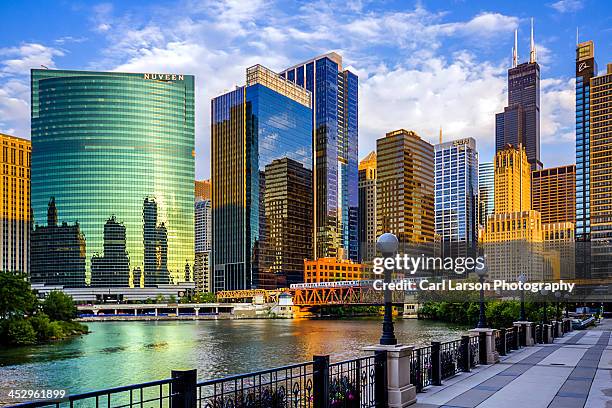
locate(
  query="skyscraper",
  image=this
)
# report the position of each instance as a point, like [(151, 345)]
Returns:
[(367, 207), (102, 143), (513, 235), (270, 118), (486, 191), (519, 123), (456, 192), (335, 152), (586, 68), (601, 174), (405, 187), (15, 204), (288, 215), (203, 245), (553, 194)]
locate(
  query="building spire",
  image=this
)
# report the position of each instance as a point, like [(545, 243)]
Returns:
[(577, 41), (532, 53), (515, 50), (440, 134)]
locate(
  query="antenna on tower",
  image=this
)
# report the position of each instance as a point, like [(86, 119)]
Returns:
[(440, 134), (577, 40), (515, 50), (532, 53)]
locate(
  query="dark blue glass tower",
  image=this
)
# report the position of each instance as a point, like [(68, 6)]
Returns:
[(335, 153), (268, 119)]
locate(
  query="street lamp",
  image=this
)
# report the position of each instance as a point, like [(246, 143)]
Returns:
[(522, 279), (482, 318), (544, 293), (387, 244), (558, 296)]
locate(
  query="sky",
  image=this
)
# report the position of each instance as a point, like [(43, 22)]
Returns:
[(422, 65)]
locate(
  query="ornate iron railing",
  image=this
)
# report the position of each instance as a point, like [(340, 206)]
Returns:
[(288, 386), (450, 358), (352, 383), (509, 339), (498, 341), (420, 367), (475, 351)]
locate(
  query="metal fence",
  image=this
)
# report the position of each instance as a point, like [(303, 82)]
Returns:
[(157, 394), (420, 367)]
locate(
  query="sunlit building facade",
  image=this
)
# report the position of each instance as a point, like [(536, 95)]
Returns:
[(601, 174), (15, 204), (333, 270), (335, 152), (553, 194), (513, 235), (405, 187), (268, 119), (116, 151), (367, 207)]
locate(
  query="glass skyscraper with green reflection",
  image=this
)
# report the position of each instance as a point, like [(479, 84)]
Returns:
[(116, 152)]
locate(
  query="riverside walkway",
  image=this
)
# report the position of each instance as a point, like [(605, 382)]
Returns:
[(574, 372)]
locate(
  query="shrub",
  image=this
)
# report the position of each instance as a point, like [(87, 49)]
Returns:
[(20, 332)]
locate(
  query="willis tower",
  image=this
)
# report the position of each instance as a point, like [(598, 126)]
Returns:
[(519, 123)]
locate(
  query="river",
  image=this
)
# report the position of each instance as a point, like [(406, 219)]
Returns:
[(120, 353)]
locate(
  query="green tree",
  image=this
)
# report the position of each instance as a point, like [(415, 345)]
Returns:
[(205, 297), (171, 299), (16, 297), (20, 332), (45, 329), (59, 306)]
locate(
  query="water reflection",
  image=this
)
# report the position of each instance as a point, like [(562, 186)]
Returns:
[(122, 353)]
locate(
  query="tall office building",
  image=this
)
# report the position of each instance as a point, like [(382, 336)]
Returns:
[(367, 207), (15, 204), (553, 194), (288, 219), (270, 118), (335, 153), (519, 123), (486, 191), (513, 235), (512, 180), (202, 190), (203, 245), (601, 174), (586, 68), (405, 187), (456, 192), (117, 144)]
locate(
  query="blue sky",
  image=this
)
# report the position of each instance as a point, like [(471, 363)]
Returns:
[(421, 65)]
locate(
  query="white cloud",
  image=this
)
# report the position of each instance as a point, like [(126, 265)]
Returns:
[(558, 111), (29, 55), (462, 96), (567, 6)]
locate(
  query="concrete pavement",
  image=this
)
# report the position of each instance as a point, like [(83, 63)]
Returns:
[(573, 372)]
